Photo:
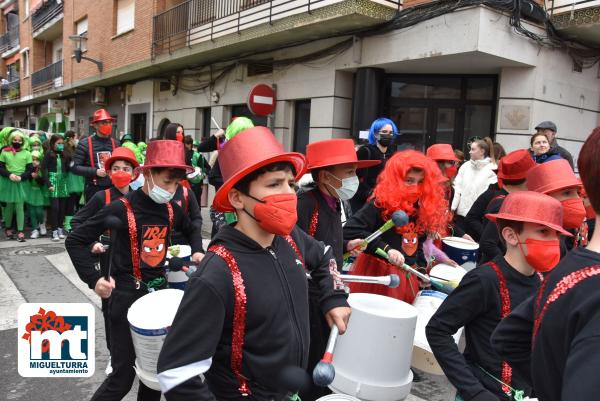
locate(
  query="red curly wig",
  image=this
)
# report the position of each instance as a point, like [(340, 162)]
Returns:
[(432, 212)]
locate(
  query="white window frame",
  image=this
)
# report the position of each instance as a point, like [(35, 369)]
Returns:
[(125, 21), (25, 62), (81, 29)]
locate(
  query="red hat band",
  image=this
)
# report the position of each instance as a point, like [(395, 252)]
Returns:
[(166, 153), (334, 152), (551, 176), (532, 207), (441, 151), (515, 165)]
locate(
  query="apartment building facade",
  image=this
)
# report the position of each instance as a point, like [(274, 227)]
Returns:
[(441, 75)]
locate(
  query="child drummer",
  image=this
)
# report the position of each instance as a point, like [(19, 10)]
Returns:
[(530, 224), (244, 316), (145, 218)]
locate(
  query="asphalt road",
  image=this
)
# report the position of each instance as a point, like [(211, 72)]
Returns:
[(40, 271)]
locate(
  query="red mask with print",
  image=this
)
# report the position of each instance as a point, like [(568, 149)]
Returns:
[(410, 243), (276, 214), (573, 213), (153, 245), (105, 129)]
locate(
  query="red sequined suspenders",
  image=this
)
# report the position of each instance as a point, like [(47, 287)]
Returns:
[(561, 288), (133, 238), (238, 330), (314, 218)]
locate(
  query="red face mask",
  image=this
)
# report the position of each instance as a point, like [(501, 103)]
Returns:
[(179, 136), (120, 179), (542, 255), (573, 213), (590, 213), (276, 214), (412, 193), (105, 130), (451, 172)]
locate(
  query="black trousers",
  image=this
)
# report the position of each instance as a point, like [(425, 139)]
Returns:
[(58, 207), (119, 382), (103, 260)]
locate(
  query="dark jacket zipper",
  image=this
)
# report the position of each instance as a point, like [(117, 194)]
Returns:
[(290, 304)]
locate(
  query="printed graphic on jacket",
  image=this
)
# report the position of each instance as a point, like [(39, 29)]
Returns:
[(102, 157), (410, 241), (154, 245)]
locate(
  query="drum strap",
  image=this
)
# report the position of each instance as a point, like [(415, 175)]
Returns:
[(186, 199), (560, 289), (238, 330), (107, 196), (133, 237), (505, 310)]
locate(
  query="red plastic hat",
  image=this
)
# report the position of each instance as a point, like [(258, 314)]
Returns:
[(515, 165), (532, 207), (248, 151), (552, 176), (333, 152), (125, 154), (441, 151), (101, 115), (166, 153)]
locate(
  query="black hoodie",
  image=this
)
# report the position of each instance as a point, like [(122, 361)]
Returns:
[(276, 327)]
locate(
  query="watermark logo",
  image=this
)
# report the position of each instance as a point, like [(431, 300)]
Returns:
[(56, 340)]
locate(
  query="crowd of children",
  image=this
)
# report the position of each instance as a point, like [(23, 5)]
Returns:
[(268, 289)]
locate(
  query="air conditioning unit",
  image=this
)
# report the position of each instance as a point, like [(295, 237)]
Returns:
[(99, 96)]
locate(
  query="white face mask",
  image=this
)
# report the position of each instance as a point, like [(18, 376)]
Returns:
[(158, 194), (348, 188)]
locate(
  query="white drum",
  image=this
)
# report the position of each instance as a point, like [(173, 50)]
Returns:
[(338, 397), (178, 279), (372, 359), (150, 318)]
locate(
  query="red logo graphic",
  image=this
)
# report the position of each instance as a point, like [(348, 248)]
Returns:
[(410, 242), (153, 245), (44, 321)]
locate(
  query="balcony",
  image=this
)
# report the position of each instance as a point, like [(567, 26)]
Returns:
[(576, 19), (197, 21), (10, 91), (49, 77), (9, 42), (47, 20)]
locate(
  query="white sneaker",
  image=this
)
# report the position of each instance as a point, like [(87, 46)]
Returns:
[(43, 230), (61, 234), (55, 236), (108, 369), (34, 234)]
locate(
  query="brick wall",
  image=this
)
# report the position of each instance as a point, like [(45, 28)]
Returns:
[(103, 45), (24, 42)]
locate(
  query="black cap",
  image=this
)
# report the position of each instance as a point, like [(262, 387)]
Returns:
[(547, 125)]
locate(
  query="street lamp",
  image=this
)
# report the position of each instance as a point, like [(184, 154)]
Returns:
[(78, 53)]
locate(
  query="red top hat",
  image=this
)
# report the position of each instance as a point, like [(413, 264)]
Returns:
[(441, 151), (101, 115), (166, 153), (532, 207), (551, 176), (333, 152), (125, 154), (248, 151), (515, 165)]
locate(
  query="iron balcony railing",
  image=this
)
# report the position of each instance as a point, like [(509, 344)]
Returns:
[(47, 74), (10, 40), (10, 90), (198, 20), (48, 10), (554, 7)]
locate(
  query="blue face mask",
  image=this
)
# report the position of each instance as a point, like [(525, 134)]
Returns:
[(158, 194)]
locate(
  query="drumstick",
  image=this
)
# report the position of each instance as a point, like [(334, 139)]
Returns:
[(391, 280), (441, 287), (324, 372), (215, 122), (398, 219)]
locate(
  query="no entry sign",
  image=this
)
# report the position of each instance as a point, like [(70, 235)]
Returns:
[(261, 100)]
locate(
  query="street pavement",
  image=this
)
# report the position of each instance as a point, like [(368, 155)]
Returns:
[(40, 271)]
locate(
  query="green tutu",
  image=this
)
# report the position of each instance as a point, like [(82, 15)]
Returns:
[(59, 183), (10, 191), (36, 195), (75, 183)]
